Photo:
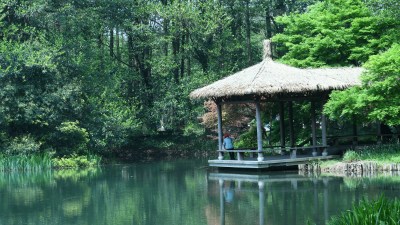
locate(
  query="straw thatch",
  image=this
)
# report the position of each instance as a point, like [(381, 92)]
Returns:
[(269, 78)]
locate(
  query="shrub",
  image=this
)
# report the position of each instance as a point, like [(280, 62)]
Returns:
[(193, 129), (248, 139), (71, 139), (351, 156), (75, 161), (25, 145)]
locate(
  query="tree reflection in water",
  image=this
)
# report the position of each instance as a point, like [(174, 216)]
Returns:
[(180, 192)]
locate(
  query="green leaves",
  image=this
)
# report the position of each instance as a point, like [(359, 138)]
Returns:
[(380, 211), (378, 98), (334, 33)]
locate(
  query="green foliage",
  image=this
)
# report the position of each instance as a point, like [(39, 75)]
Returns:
[(351, 156), (193, 129), (70, 138), (76, 161), (334, 33), (25, 145), (377, 99), (124, 68), (247, 139), (381, 153), (377, 153), (32, 162), (385, 8), (380, 211)]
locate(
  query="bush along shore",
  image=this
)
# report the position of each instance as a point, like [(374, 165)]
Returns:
[(367, 160)]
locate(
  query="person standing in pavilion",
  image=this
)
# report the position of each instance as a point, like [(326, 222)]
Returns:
[(228, 145)]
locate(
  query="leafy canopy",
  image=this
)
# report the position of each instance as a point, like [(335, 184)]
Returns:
[(378, 98), (334, 33)]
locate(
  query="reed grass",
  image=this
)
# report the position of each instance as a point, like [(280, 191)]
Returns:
[(380, 211), (378, 153), (34, 162), (44, 161)]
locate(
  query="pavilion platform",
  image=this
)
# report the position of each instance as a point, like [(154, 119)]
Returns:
[(269, 161)]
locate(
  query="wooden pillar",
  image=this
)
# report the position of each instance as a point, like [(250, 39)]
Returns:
[(219, 115), (259, 132), (291, 129), (355, 132), (324, 140), (282, 123), (313, 128)]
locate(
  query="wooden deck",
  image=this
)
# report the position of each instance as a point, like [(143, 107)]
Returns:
[(269, 161)]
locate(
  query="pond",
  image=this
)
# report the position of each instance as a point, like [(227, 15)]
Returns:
[(181, 192)]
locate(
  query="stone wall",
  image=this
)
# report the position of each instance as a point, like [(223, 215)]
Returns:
[(350, 168)]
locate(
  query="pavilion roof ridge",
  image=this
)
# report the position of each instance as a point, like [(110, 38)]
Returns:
[(271, 77)]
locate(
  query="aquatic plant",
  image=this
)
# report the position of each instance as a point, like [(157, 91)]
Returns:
[(34, 162), (380, 211)]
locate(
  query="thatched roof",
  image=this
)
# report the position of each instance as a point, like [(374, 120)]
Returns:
[(269, 78)]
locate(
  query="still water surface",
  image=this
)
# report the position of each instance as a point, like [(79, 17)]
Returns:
[(180, 193)]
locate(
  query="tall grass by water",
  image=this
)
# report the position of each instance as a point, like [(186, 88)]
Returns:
[(381, 211), (378, 153), (45, 161), (34, 162)]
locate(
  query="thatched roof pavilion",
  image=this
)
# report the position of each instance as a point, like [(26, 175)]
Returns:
[(269, 78), (274, 81)]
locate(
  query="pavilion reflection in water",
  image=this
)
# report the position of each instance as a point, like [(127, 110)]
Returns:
[(232, 185)]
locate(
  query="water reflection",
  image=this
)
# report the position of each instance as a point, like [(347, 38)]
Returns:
[(292, 198), (181, 192)]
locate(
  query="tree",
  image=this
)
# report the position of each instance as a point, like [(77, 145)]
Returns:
[(334, 33), (377, 99)]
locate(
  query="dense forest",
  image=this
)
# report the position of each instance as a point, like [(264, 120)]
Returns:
[(99, 75)]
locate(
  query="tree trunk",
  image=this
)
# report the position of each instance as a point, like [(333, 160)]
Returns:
[(188, 57), (175, 51), (182, 56), (117, 43), (111, 41), (268, 27), (130, 50), (248, 33)]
